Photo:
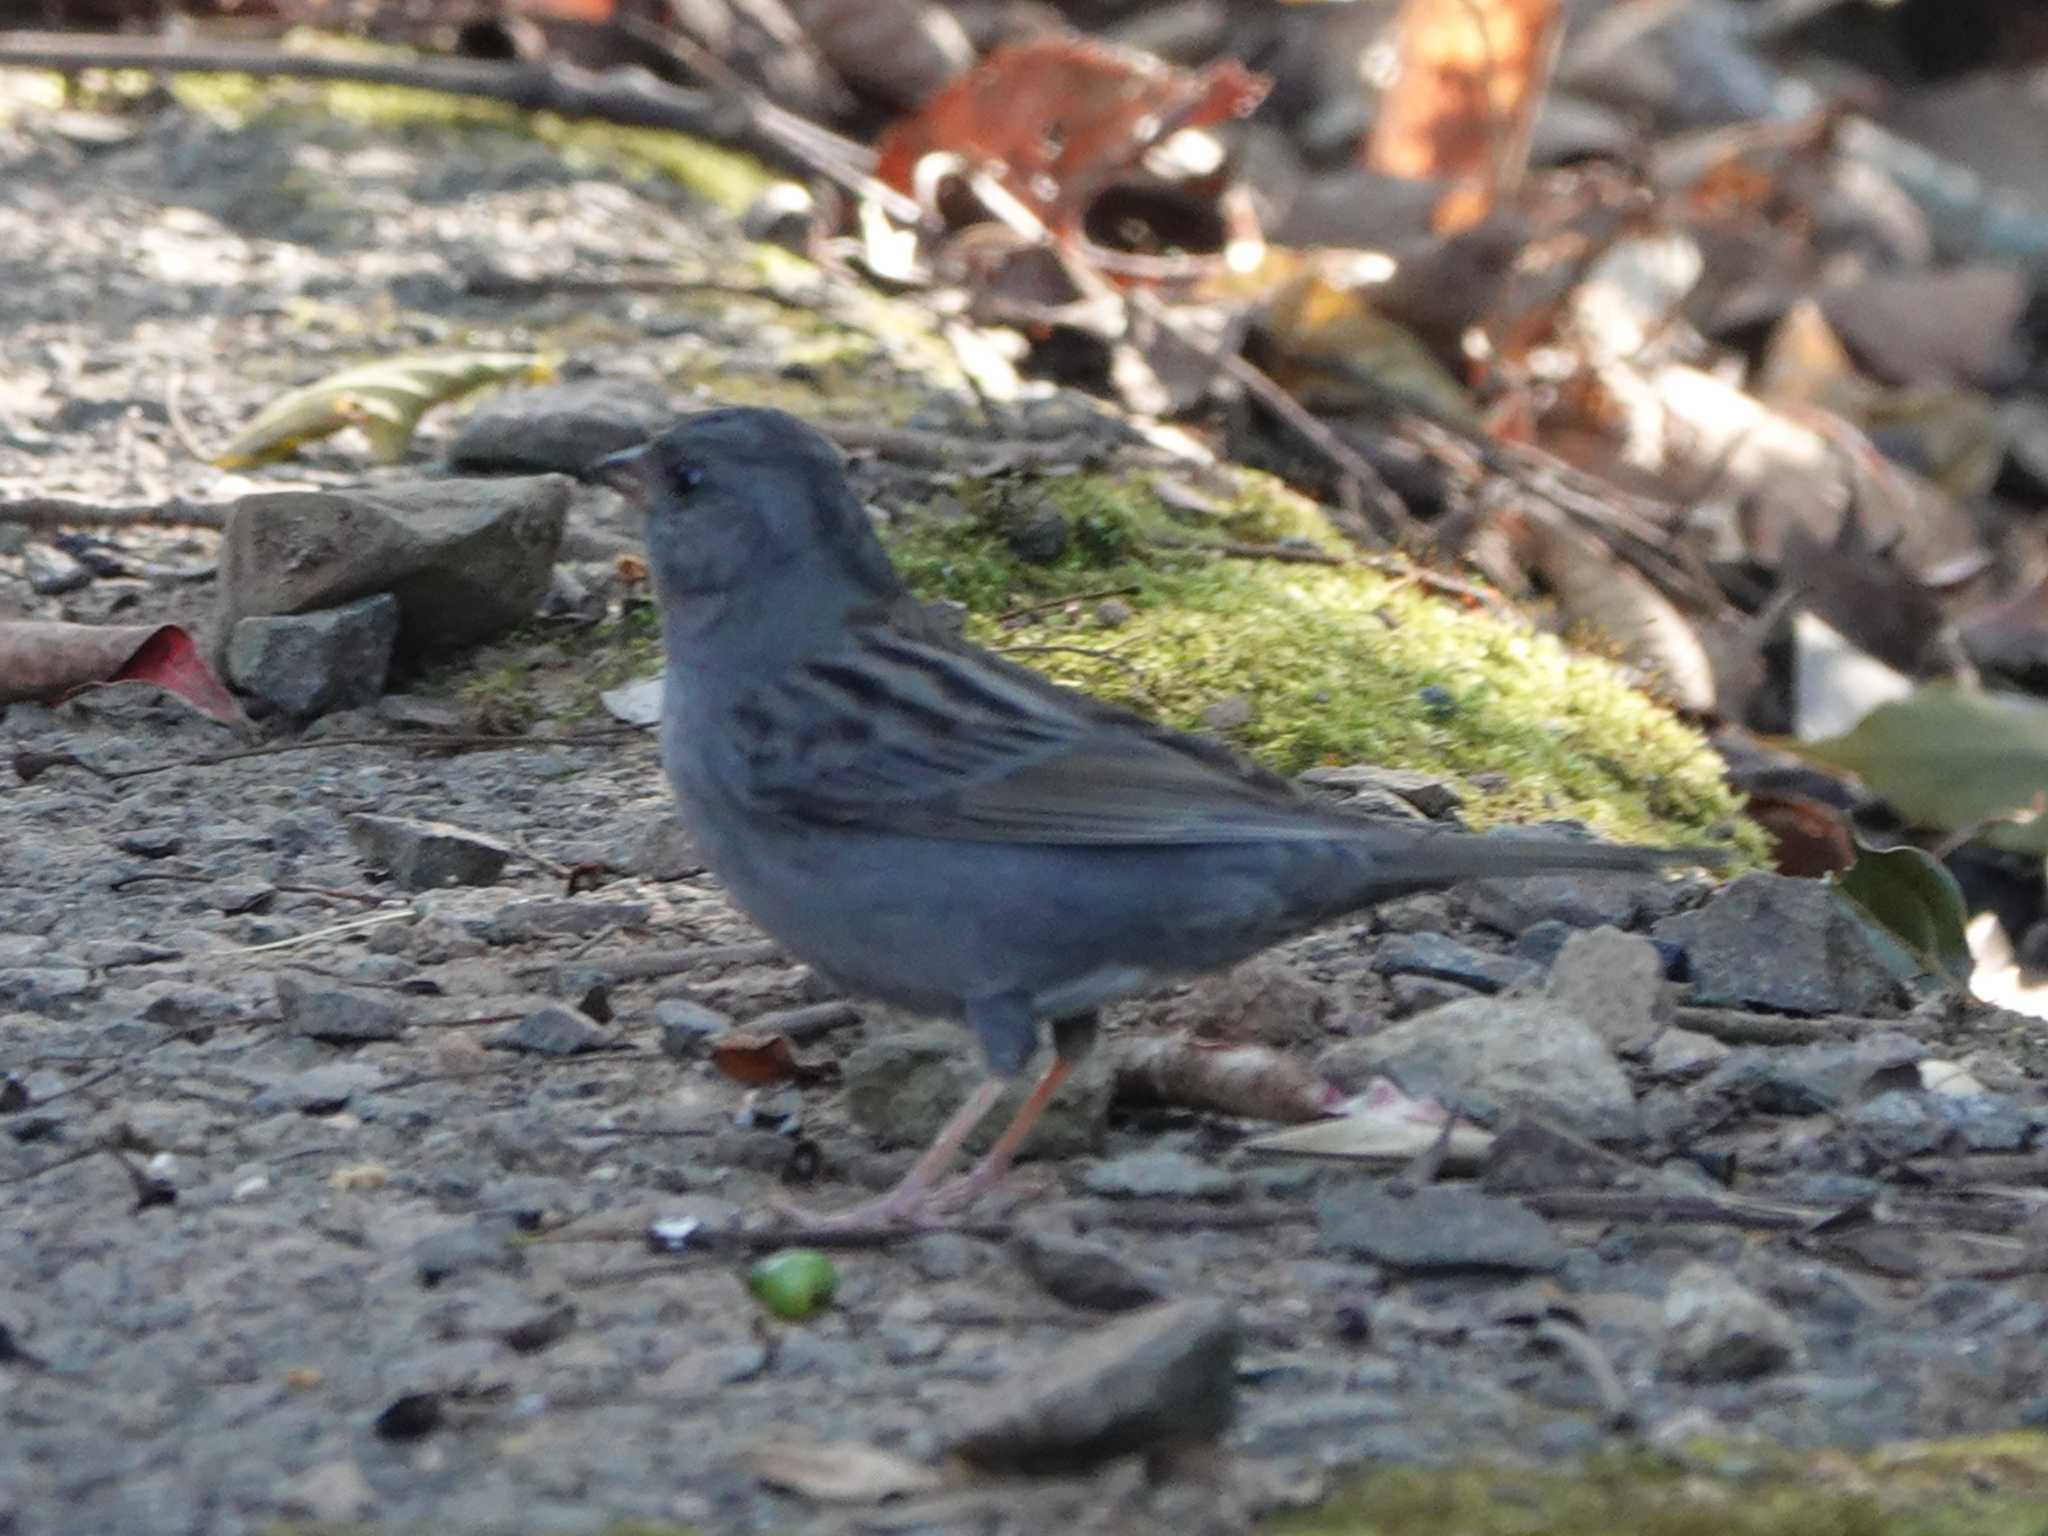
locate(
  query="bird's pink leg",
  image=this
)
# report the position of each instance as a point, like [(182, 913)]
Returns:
[(987, 1173), (905, 1201)]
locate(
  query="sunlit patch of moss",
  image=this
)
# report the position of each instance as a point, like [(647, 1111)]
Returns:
[(719, 175), (500, 700), (1986, 1488), (1338, 664)]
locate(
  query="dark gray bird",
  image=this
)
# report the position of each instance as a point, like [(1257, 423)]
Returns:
[(930, 825)]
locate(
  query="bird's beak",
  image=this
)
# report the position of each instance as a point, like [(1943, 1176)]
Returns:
[(624, 472)]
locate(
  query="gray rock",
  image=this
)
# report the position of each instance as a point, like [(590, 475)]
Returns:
[(1795, 946), (563, 427), (1717, 1329), (322, 1090), (1528, 1155), (1682, 1054), (410, 711), (1412, 994), (901, 1088), (332, 1493), (1266, 999), (186, 1004), (549, 917), (307, 664), (661, 850), (1158, 1175), (487, 1245), (1082, 1272), (52, 990), (1444, 959), (322, 1011), (1488, 1057), (687, 1027), (551, 1030), (1814, 1079), (1435, 1230), (51, 572), (110, 954), (466, 559), (1152, 1381), (1427, 793), (1615, 982), (426, 855), (1907, 1122), (152, 842), (1514, 906)]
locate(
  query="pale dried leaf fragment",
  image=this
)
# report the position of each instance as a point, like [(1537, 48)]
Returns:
[(838, 1471)]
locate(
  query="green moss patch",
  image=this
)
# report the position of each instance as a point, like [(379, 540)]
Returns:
[(1991, 1487), (1336, 664)]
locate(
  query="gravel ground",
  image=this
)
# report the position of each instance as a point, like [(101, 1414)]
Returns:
[(270, 1174)]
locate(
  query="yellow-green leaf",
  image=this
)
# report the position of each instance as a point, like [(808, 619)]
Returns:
[(385, 399), (1953, 760)]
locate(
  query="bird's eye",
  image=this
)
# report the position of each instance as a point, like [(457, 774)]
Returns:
[(688, 476)]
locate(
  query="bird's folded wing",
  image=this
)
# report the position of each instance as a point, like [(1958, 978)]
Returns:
[(906, 735)]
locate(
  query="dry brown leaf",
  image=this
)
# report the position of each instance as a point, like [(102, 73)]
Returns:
[(1470, 75), (1601, 593), (1250, 1080), (41, 660)]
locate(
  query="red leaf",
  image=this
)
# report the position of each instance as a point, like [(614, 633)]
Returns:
[(1055, 119), (169, 659)]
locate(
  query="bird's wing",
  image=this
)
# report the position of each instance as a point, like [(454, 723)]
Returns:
[(906, 733)]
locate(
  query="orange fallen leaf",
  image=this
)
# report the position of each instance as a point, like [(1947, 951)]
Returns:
[(763, 1060), (1053, 120)]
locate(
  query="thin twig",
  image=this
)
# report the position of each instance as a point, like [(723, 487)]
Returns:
[(50, 513), (422, 742), (1062, 602), (672, 962)]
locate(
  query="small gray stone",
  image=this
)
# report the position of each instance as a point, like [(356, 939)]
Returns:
[(466, 559), (1583, 900), (1615, 982), (1488, 1057), (1908, 1122), (110, 954), (322, 1090), (1412, 994), (307, 664), (1229, 713), (1426, 792), (687, 1027), (238, 898), (333, 1493), (1159, 1378), (322, 1011), (1082, 1272), (412, 712), (562, 427), (1528, 1155), (1815, 1079), (1796, 946), (1444, 959), (487, 1245), (661, 850), (51, 572), (1265, 999), (1158, 1175), (902, 1088), (152, 842), (551, 1030), (552, 917), (1682, 1054), (1717, 1329), (54, 990), (1114, 613), (1435, 1230), (426, 855), (187, 1004)]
